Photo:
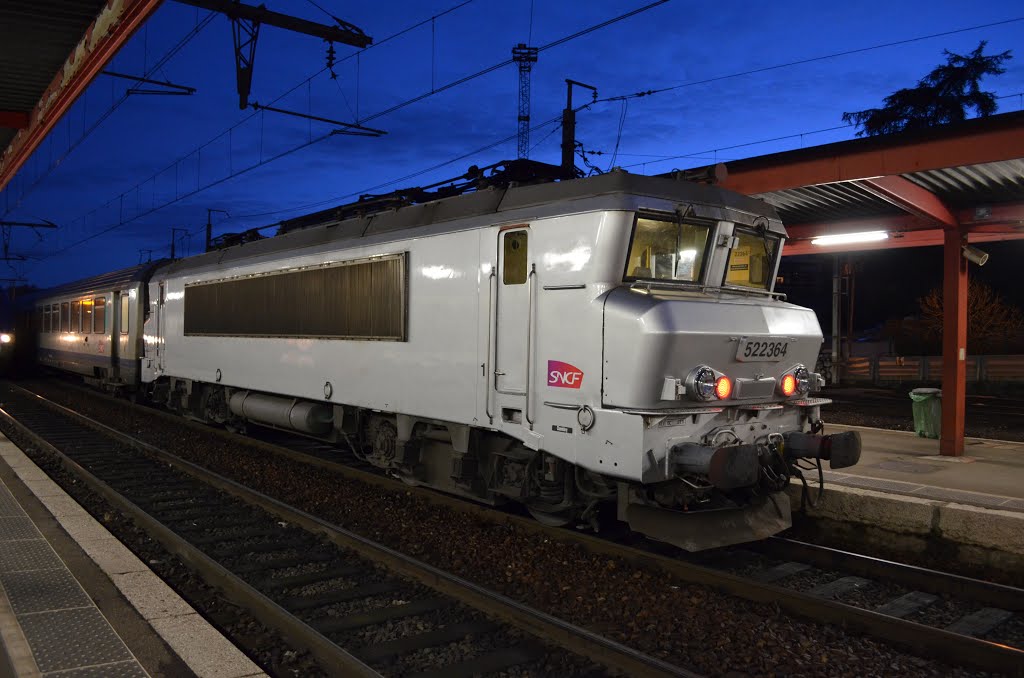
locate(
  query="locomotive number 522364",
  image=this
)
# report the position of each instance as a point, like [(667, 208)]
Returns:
[(761, 349)]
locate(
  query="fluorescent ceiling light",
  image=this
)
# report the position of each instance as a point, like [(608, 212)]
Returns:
[(849, 238)]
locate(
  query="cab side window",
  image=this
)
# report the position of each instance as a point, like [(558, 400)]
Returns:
[(514, 258)]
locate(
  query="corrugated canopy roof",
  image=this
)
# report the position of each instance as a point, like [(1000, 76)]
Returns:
[(36, 37), (50, 50), (968, 175)]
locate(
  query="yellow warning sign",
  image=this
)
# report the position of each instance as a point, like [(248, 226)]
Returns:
[(739, 265)]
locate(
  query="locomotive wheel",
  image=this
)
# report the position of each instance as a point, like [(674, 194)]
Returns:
[(553, 518), (408, 479)]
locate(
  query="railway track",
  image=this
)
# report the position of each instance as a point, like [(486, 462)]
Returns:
[(960, 606), (777, 572), (359, 607)]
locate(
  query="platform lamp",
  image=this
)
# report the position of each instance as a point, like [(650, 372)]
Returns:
[(974, 255)]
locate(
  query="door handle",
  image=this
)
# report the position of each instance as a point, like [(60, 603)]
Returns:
[(529, 338), (491, 291)]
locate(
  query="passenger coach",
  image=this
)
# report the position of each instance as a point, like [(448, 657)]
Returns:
[(93, 327)]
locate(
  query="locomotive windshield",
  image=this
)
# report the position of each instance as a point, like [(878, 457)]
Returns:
[(752, 260), (667, 250)]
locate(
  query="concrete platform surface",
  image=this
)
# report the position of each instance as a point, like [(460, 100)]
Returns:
[(990, 475), (903, 495), (74, 601)]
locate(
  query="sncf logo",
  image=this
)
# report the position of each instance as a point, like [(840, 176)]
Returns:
[(564, 375)]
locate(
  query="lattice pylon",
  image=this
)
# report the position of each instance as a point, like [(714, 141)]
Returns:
[(525, 57)]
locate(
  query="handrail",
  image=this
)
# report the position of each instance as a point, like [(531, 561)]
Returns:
[(491, 330), (529, 339)]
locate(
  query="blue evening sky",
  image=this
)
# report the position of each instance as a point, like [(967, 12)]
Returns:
[(125, 170)]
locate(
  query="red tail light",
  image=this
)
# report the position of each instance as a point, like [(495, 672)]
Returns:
[(788, 385), (723, 388)]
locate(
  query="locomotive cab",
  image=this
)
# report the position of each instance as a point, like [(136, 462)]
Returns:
[(699, 346)]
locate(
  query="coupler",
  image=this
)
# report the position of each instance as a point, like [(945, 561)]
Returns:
[(841, 450), (727, 468)]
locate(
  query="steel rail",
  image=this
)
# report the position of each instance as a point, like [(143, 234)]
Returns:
[(918, 638), (932, 581), (334, 660), (547, 627)]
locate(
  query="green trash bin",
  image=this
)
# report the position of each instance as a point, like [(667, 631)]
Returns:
[(927, 404)]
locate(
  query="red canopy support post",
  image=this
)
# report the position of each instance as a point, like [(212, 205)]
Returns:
[(954, 343)]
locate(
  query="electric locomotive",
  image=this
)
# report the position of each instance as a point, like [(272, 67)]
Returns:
[(612, 342)]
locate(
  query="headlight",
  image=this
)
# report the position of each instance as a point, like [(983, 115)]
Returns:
[(704, 384), (723, 387), (700, 383), (6, 338), (803, 380), (795, 381)]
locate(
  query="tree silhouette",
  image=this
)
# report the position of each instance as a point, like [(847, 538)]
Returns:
[(943, 96), (992, 323)]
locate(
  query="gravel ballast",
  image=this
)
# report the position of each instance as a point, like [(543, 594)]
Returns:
[(686, 624)]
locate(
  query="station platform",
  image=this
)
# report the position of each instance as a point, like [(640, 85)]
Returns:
[(75, 602), (989, 475), (906, 497)]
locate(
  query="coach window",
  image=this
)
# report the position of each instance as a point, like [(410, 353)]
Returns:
[(87, 315), (514, 272), (65, 317), (99, 315), (124, 312), (76, 316)]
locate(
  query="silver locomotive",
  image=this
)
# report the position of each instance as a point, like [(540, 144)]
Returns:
[(580, 347)]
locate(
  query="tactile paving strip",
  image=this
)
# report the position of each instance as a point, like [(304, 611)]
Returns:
[(62, 626), (31, 554), (126, 669), (16, 528), (43, 590), (8, 505), (48, 635)]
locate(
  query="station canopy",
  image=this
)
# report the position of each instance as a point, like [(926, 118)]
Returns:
[(953, 186), (50, 50), (911, 187)]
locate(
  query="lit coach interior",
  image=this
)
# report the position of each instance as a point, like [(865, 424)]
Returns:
[(94, 327)]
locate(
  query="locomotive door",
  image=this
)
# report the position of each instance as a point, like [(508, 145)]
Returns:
[(513, 326), (114, 334), (160, 330)]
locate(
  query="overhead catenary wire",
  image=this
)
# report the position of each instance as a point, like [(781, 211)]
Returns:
[(665, 89), (507, 62), (800, 62), (708, 155), (158, 66), (618, 136), (407, 177), (139, 215), (450, 85), (227, 133)]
